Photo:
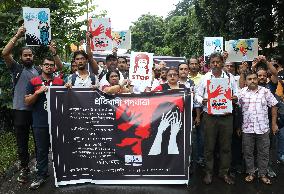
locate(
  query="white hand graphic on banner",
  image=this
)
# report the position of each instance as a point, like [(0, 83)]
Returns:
[(164, 124), (175, 128), (172, 119)]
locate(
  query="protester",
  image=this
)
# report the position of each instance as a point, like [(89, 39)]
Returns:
[(122, 67), (21, 74), (254, 100), (82, 77), (172, 81), (36, 98), (111, 64), (262, 68), (113, 77), (183, 70), (216, 127), (162, 64), (194, 69)]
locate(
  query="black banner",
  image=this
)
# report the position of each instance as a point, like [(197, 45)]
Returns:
[(122, 139)]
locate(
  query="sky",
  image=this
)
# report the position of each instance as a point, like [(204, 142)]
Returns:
[(124, 12)]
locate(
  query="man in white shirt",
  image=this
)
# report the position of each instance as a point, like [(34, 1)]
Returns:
[(216, 126)]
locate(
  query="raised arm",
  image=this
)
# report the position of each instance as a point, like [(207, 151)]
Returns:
[(92, 62), (57, 60), (7, 51)]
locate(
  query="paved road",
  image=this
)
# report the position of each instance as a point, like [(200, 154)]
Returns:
[(196, 186)]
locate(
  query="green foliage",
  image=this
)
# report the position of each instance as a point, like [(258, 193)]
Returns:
[(8, 150), (148, 33)]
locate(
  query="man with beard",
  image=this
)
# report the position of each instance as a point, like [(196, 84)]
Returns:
[(36, 98), (255, 100), (82, 77), (22, 73), (216, 127)]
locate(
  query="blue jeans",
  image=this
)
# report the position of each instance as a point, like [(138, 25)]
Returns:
[(41, 136), (280, 144)]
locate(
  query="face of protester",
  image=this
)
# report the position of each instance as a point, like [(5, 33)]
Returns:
[(163, 74), (172, 77), (230, 68), (183, 70), (157, 72), (162, 64), (101, 64), (81, 61), (27, 58), (252, 81), (216, 64), (111, 63), (121, 64), (262, 76), (48, 67), (74, 67), (194, 66), (113, 79)]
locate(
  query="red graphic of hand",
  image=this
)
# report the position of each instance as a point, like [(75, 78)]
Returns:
[(108, 33), (98, 31), (228, 94), (216, 93)]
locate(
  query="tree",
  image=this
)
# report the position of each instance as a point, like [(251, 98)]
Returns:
[(65, 30), (148, 33)]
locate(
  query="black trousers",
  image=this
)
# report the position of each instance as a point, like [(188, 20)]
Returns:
[(22, 126), (217, 128)]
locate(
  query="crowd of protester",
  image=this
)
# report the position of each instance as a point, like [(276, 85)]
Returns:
[(241, 141)]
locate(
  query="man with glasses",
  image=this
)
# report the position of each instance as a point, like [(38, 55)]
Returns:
[(21, 74), (36, 98)]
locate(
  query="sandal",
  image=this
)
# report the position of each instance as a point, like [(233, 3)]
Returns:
[(249, 178), (265, 180)]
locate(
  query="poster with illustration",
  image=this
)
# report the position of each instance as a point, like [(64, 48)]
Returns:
[(219, 96), (242, 49), (212, 44), (121, 39), (119, 139), (37, 24), (100, 29), (140, 72)]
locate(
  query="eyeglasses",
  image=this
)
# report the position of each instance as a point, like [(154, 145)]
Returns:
[(49, 64), (172, 74)]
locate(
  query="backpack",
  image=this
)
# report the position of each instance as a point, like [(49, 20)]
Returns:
[(75, 75)]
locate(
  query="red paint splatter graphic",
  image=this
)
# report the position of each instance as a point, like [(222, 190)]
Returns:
[(138, 118)]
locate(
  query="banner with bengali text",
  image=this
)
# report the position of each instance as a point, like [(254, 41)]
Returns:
[(122, 139)]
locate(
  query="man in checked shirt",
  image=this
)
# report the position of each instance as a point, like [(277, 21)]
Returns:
[(255, 100)]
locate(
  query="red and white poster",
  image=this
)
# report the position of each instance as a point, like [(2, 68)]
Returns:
[(140, 72), (100, 29), (219, 96)]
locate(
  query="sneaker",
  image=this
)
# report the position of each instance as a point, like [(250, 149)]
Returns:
[(37, 183), (24, 175), (271, 173)]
